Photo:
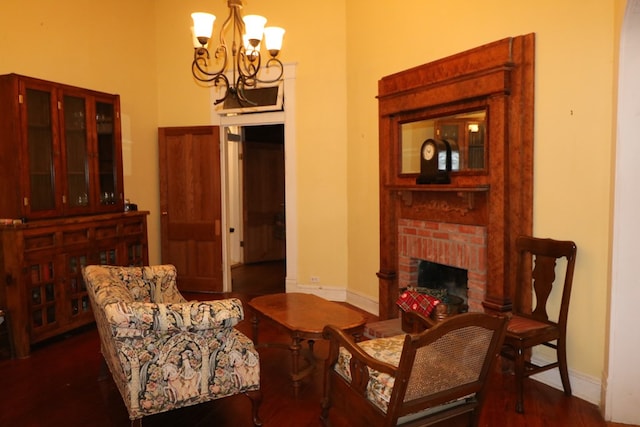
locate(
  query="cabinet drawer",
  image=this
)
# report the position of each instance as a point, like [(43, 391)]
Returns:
[(39, 241), (132, 227), (105, 232), (75, 236)]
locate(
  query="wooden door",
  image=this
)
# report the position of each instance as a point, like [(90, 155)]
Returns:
[(190, 205), (263, 198)]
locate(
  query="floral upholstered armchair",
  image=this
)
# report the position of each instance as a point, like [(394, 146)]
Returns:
[(163, 351)]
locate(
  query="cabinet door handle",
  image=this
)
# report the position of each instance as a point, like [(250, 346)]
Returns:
[(165, 213)]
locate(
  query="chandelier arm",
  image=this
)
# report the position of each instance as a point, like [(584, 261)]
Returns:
[(238, 31), (248, 64), (218, 80), (242, 98), (233, 10), (270, 63), (200, 65), (222, 81)]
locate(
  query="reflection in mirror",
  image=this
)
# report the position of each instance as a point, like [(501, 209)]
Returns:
[(467, 130)]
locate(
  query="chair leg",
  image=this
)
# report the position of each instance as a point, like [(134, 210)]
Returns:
[(256, 399), (563, 368), (519, 373), (103, 372), (324, 414)]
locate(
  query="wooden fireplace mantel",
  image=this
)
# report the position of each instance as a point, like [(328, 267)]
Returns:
[(466, 193), (499, 78)]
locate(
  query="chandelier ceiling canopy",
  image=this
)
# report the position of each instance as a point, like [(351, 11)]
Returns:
[(235, 68)]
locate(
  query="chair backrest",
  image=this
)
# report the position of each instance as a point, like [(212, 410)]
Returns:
[(446, 362), (537, 260), (110, 284)]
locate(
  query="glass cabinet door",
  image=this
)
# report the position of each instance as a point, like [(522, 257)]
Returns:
[(106, 150), (77, 165), (70, 151), (43, 299), (76, 291), (40, 142)]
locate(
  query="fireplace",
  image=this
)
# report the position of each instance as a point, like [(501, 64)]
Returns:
[(441, 279), (472, 221), (455, 250)]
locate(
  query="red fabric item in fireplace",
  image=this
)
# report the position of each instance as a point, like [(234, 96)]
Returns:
[(415, 301)]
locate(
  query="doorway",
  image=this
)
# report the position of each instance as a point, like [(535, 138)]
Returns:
[(256, 214), (231, 126)]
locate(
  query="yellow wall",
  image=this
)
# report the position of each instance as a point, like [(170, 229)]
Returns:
[(142, 50), (573, 127)]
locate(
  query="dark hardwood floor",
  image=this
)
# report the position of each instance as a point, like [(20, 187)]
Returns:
[(57, 386), (258, 279)]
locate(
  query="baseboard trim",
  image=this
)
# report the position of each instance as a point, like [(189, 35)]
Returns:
[(363, 302), (327, 292), (334, 293), (583, 386)]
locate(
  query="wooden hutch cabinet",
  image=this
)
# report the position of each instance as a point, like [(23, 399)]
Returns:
[(60, 150), (62, 203)]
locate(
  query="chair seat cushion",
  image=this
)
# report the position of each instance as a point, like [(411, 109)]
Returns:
[(523, 326), (380, 384)]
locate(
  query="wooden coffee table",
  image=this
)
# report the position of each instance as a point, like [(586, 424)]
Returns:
[(303, 316)]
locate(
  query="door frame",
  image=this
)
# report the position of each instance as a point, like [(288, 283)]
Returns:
[(235, 185), (287, 118), (620, 372)]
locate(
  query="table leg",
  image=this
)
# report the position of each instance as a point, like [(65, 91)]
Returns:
[(254, 323), (295, 364)]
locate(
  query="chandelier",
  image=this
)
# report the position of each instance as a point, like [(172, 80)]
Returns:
[(246, 58)]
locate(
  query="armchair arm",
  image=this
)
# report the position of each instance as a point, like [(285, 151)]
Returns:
[(360, 360), (417, 322), (194, 315)]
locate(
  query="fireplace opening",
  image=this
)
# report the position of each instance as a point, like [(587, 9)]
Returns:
[(443, 281)]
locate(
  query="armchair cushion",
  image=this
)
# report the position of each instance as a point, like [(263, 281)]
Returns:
[(380, 384)]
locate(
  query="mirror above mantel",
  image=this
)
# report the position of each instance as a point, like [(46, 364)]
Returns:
[(467, 130)]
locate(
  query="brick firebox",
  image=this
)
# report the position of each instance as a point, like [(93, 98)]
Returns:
[(455, 245)]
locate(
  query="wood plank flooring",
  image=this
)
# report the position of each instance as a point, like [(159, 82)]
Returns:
[(58, 386)]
